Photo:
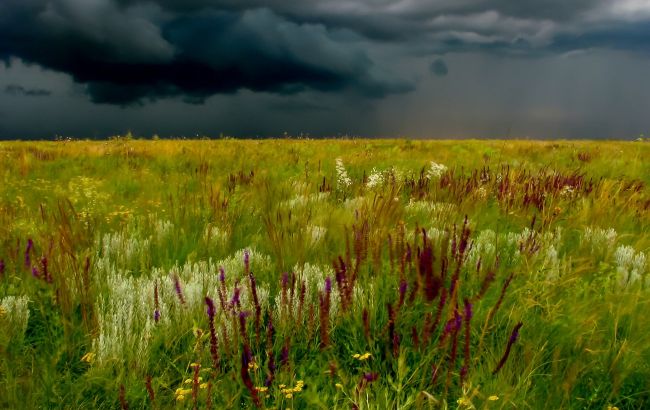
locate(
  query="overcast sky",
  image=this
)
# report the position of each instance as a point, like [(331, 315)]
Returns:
[(416, 68)]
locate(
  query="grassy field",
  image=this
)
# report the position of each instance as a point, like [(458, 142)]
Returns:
[(324, 274)]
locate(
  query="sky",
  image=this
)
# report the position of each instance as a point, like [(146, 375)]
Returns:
[(373, 68)]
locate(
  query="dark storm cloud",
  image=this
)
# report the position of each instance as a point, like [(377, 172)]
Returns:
[(126, 51), (146, 52), (14, 89)]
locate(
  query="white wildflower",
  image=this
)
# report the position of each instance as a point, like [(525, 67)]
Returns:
[(342, 179), (436, 170)]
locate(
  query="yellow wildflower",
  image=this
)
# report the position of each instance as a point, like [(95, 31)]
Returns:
[(493, 398), (464, 401), (195, 365), (253, 365), (2, 311), (88, 357), (262, 389), (282, 386), (203, 386), (362, 357), (612, 408), (356, 355), (180, 397), (339, 386), (289, 396)]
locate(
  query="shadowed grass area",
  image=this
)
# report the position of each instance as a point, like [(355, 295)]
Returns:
[(324, 274)]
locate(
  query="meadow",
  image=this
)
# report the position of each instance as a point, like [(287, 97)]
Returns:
[(324, 274)]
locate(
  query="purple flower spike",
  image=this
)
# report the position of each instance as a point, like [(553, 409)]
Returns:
[(458, 319), (156, 315), (285, 279), (2, 267), (211, 309), (222, 274), (468, 310), (235, 297), (30, 247), (35, 272), (179, 291), (370, 377), (328, 284)]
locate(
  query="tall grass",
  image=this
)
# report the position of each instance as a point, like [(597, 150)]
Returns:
[(324, 274)]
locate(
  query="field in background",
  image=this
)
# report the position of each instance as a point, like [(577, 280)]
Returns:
[(324, 274)]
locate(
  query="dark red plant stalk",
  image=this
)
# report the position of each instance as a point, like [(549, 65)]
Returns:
[(152, 396), (2, 268), (221, 291), (441, 306), (301, 300), (284, 355), (195, 385), (242, 326), (156, 302), (214, 347), (432, 282), (246, 262), (467, 316), (35, 272), (332, 370), (28, 250), (224, 336), (284, 302), (246, 378), (235, 298), (513, 338), (44, 270), (414, 337), (179, 291), (325, 300), (366, 324), (123, 404), (258, 308), (403, 286)]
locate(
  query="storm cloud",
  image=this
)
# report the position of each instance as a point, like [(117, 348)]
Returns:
[(317, 58)]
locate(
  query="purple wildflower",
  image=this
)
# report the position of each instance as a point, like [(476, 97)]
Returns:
[(35, 272), (2, 267), (179, 291), (45, 271), (156, 315), (211, 310), (513, 338), (222, 274), (30, 247), (328, 284)]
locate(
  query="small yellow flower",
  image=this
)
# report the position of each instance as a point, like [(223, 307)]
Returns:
[(282, 386), (180, 397), (289, 396), (195, 365), (612, 408), (253, 365), (203, 386), (188, 381), (362, 357), (262, 389), (88, 357), (493, 398), (356, 355), (464, 401), (339, 386), (2, 311), (297, 389), (300, 383)]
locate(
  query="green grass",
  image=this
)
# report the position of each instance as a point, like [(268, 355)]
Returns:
[(556, 239)]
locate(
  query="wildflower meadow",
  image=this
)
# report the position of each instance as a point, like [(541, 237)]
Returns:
[(324, 274)]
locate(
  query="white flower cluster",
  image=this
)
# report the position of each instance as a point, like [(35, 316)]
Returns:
[(343, 181), (630, 265), (14, 315), (315, 234), (599, 239), (436, 170), (375, 179)]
